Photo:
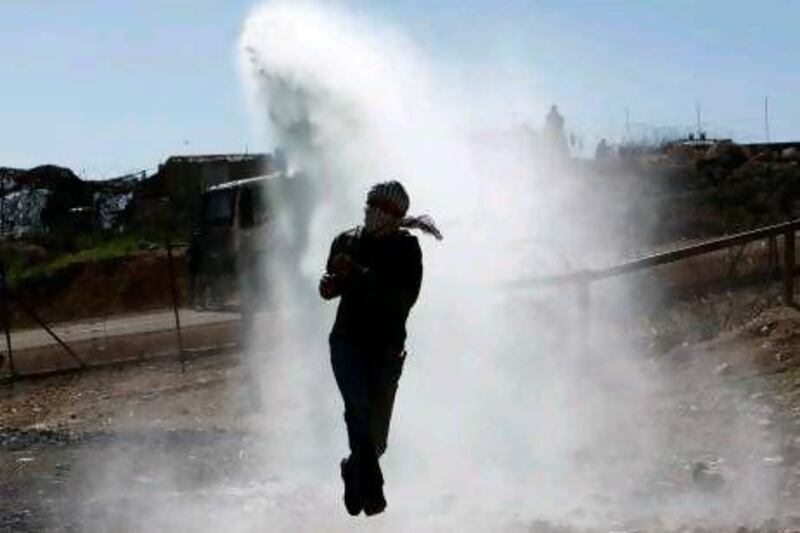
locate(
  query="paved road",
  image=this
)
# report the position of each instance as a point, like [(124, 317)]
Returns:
[(97, 329)]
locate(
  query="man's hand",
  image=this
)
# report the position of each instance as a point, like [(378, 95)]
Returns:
[(344, 266), (328, 286)]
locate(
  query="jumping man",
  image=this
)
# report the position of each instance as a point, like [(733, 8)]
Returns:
[(376, 270)]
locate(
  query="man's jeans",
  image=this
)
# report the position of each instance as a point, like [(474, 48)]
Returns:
[(367, 380)]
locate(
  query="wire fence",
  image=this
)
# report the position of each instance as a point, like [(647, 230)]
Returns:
[(159, 302), (129, 307)]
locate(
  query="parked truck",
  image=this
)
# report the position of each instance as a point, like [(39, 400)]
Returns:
[(240, 224)]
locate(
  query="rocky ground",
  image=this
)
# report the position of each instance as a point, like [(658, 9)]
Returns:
[(53, 430), (191, 432)]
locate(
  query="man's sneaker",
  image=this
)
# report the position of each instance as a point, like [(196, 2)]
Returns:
[(371, 487), (374, 501), (352, 494)]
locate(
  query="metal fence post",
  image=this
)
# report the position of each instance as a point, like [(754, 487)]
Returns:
[(174, 291), (6, 318), (584, 313), (788, 267), (39, 320), (772, 256)]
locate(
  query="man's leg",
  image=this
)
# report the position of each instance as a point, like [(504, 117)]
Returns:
[(383, 387), (349, 368), (383, 374)]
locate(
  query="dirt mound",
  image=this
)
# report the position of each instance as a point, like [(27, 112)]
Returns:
[(778, 323), (134, 283), (49, 177), (768, 343)]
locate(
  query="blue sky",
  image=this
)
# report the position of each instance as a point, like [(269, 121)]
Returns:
[(107, 87)]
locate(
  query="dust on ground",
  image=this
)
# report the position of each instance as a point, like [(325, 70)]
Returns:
[(55, 431)]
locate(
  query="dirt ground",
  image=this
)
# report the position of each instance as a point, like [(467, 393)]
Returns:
[(134, 283), (51, 428), (54, 430)]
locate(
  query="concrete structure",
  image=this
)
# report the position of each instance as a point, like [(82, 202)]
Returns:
[(185, 177)]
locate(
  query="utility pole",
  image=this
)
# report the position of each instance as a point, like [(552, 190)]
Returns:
[(627, 123), (766, 117), (698, 110), (3, 206)]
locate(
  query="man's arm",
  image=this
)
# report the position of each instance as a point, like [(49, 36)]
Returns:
[(330, 284)]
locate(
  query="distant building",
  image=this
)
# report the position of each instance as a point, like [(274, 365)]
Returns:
[(189, 173), (41, 200), (693, 146), (701, 142), (185, 177), (778, 149)]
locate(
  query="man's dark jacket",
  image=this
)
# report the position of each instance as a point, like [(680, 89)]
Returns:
[(375, 302)]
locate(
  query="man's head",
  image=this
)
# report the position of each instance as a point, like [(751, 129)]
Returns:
[(387, 204)]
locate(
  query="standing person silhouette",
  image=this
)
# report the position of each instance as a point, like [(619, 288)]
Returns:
[(376, 271)]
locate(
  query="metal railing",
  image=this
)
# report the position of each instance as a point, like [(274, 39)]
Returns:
[(583, 278)]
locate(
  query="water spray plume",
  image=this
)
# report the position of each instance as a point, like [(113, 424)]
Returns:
[(499, 419), (504, 416)]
